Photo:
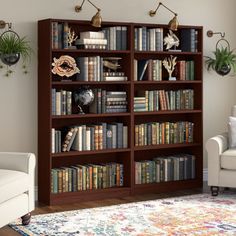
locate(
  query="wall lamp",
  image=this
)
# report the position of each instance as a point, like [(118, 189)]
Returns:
[(96, 20), (173, 24), (3, 24)]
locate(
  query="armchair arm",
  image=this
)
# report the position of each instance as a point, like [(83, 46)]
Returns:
[(24, 162), (215, 146)]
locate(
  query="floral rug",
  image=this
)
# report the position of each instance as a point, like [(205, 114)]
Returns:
[(199, 214)]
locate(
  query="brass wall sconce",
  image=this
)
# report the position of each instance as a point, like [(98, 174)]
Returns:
[(173, 24), (96, 20), (3, 24)]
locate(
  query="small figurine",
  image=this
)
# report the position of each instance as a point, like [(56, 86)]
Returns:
[(169, 65), (171, 40), (64, 66), (71, 38)]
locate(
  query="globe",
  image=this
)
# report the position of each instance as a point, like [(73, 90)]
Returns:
[(83, 97)]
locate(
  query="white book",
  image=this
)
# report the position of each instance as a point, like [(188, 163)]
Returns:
[(135, 70), (77, 144), (53, 140), (91, 41), (88, 139), (58, 103), (92, 35)]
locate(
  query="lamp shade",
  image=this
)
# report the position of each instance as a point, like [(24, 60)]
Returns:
[(173, 24), (96, 20)]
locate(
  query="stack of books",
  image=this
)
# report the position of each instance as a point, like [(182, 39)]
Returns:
[(108, 102), (140, 104), (91, 40)]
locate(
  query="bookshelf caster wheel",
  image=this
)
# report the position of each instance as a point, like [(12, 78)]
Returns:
[(214, 191), (26, 219)]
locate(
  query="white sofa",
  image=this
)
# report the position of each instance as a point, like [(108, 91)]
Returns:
[(221, 162), (17, 173)]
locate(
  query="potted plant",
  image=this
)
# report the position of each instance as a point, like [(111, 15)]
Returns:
[(223, 61), (12, 48)]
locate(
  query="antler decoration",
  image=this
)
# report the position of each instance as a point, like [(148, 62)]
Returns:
[(169, 64), (71, 37)]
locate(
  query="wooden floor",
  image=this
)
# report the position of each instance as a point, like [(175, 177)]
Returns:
[(40, 209)]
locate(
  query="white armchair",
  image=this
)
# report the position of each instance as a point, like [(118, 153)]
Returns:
[(17, 173), (221, 162)]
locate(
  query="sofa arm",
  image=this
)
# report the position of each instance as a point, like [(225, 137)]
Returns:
[(24, 162), (18, 161), (215, 146)]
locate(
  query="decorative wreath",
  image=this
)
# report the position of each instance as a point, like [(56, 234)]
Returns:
[(64, 66)]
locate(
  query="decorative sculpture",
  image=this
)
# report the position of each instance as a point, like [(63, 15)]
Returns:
[(64, 66), (171, 40), (71, 38), (169, 64), (83, 96)]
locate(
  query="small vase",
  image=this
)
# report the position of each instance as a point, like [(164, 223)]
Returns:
[(10, 59)]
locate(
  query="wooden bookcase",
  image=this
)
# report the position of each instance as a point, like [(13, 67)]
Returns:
[(127, 156)]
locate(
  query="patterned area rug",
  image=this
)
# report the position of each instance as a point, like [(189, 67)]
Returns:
[(198, 214)]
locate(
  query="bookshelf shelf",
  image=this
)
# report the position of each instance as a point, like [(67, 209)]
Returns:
[(166, 53), (169, 82), (167, 146), (76, 153), (62, 83), (82, 116), (166, 112), (111, 165)]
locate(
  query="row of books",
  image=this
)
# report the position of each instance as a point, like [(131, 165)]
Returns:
[(150, 69), (151, 39), (165, 168), (108, 102), (60, 35), (90, 137), (156, 133), (147, 70), (146, 39), (86, 177), (184, 70), (154, 100), (92, 69), (61, 102), (116, 37)]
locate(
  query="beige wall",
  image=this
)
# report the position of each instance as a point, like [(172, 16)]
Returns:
[(18, 94)]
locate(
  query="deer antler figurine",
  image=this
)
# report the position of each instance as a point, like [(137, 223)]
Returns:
[(71, 37), (169, 65)]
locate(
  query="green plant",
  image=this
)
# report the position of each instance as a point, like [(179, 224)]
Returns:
[(11, 44), (224, 60)]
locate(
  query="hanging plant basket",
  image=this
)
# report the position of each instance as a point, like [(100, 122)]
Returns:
[(10, 59), (224, 60), (12, 48)]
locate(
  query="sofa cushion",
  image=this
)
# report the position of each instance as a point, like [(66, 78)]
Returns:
[(228, 159), (12, 183)]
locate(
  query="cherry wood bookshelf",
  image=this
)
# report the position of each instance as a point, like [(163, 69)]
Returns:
[(127, 156)]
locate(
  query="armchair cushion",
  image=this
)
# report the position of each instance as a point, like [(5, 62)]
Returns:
[(12, 184), (232, 132), (228, 159)]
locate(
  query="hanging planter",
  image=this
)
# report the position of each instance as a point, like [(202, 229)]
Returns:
[(224, 60), (12, 48)]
